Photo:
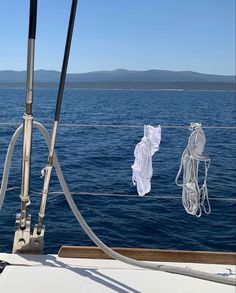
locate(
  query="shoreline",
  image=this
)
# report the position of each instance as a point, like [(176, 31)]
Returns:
[(132, 85)]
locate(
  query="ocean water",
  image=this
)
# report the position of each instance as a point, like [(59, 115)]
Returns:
[(98, 160)]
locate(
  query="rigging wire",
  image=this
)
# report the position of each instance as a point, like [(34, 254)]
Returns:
[(104, 194), (74, 125)]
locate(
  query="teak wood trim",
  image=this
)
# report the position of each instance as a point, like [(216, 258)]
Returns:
[(151, 254)]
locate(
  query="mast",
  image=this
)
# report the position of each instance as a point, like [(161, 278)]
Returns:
[(22, 239), (28, 116)]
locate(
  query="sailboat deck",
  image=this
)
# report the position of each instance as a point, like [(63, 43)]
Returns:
[(50, 273)]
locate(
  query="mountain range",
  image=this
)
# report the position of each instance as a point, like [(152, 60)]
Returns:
[(118, 75), (122, 79)]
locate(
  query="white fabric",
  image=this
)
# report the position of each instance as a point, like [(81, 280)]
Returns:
[(144, 150)]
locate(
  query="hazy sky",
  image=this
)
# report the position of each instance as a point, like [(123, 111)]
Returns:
[(196, 35)]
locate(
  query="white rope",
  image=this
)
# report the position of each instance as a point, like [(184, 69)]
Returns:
[(89, 232), (194, 196)]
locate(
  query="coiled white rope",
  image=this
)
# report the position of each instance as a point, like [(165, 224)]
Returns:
[(86, 228), (194, 196)]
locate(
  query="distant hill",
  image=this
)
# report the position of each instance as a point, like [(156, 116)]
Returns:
[(122, 78), (48, 76)]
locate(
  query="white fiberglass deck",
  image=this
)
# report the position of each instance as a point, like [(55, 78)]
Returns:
[(49, 273)]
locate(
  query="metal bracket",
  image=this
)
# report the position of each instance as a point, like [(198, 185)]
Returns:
[(24, 242)]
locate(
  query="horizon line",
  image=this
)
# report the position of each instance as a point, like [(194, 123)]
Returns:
[(125, 69)]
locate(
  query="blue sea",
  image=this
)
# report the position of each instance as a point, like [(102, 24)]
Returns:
[(97, 161)]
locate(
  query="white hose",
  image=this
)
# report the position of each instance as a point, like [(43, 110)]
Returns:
[(86, 228), (7, 164)]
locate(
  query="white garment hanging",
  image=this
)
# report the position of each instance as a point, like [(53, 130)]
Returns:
[(144, 150)]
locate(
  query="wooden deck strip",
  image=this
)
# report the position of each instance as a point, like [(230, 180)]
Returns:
[(152, 255)]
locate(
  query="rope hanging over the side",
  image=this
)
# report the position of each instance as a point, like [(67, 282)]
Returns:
[(193, 195)]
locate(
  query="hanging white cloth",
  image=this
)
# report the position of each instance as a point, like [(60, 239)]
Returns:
[(144, 150), (193, 195)]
